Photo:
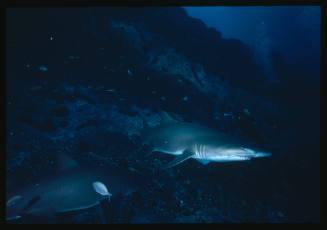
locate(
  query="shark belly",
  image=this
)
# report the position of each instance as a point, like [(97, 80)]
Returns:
[(229, 158)]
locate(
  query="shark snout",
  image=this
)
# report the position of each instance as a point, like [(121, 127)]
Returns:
[(262, 154)]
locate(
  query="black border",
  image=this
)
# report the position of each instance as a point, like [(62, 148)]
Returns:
[(36, 3), (89, 3)]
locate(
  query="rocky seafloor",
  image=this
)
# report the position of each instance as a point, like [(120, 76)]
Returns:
[(81, 87)]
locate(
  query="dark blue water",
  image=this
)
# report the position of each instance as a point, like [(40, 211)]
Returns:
[(270, 29), (80, 81)]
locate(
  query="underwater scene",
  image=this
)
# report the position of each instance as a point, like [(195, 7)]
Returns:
[(163, 114)]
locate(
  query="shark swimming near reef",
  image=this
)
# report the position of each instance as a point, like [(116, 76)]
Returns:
[(188, 140)]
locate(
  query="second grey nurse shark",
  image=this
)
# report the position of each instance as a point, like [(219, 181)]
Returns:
[(73, 188), (188, 140)]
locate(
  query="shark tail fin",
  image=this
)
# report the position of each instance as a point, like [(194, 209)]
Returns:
[(145, 123), (146, 127)]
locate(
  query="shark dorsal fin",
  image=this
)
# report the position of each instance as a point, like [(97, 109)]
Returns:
[(166, 118), (65, 162)]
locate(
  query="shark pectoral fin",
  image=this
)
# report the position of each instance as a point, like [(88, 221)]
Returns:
[(31, 203), (179, 159), (204, 162)]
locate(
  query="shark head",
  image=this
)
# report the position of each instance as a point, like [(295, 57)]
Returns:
[(255, 153), (191, 140)]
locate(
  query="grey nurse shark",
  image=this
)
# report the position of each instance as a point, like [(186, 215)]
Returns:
[(73, 188), (188, 140)]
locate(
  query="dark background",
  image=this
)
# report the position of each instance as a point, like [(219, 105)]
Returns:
[(288, 184)]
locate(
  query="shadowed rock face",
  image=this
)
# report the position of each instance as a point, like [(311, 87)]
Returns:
[(188, 52), (198, 43)]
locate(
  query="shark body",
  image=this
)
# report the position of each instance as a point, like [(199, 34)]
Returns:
[(188, 140), (76, 188)]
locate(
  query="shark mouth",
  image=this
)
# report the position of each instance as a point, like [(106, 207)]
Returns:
[(243, 158)]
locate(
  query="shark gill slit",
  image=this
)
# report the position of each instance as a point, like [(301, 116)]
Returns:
[(202, 148), (197, 151), (204, 151), (201, 151)]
